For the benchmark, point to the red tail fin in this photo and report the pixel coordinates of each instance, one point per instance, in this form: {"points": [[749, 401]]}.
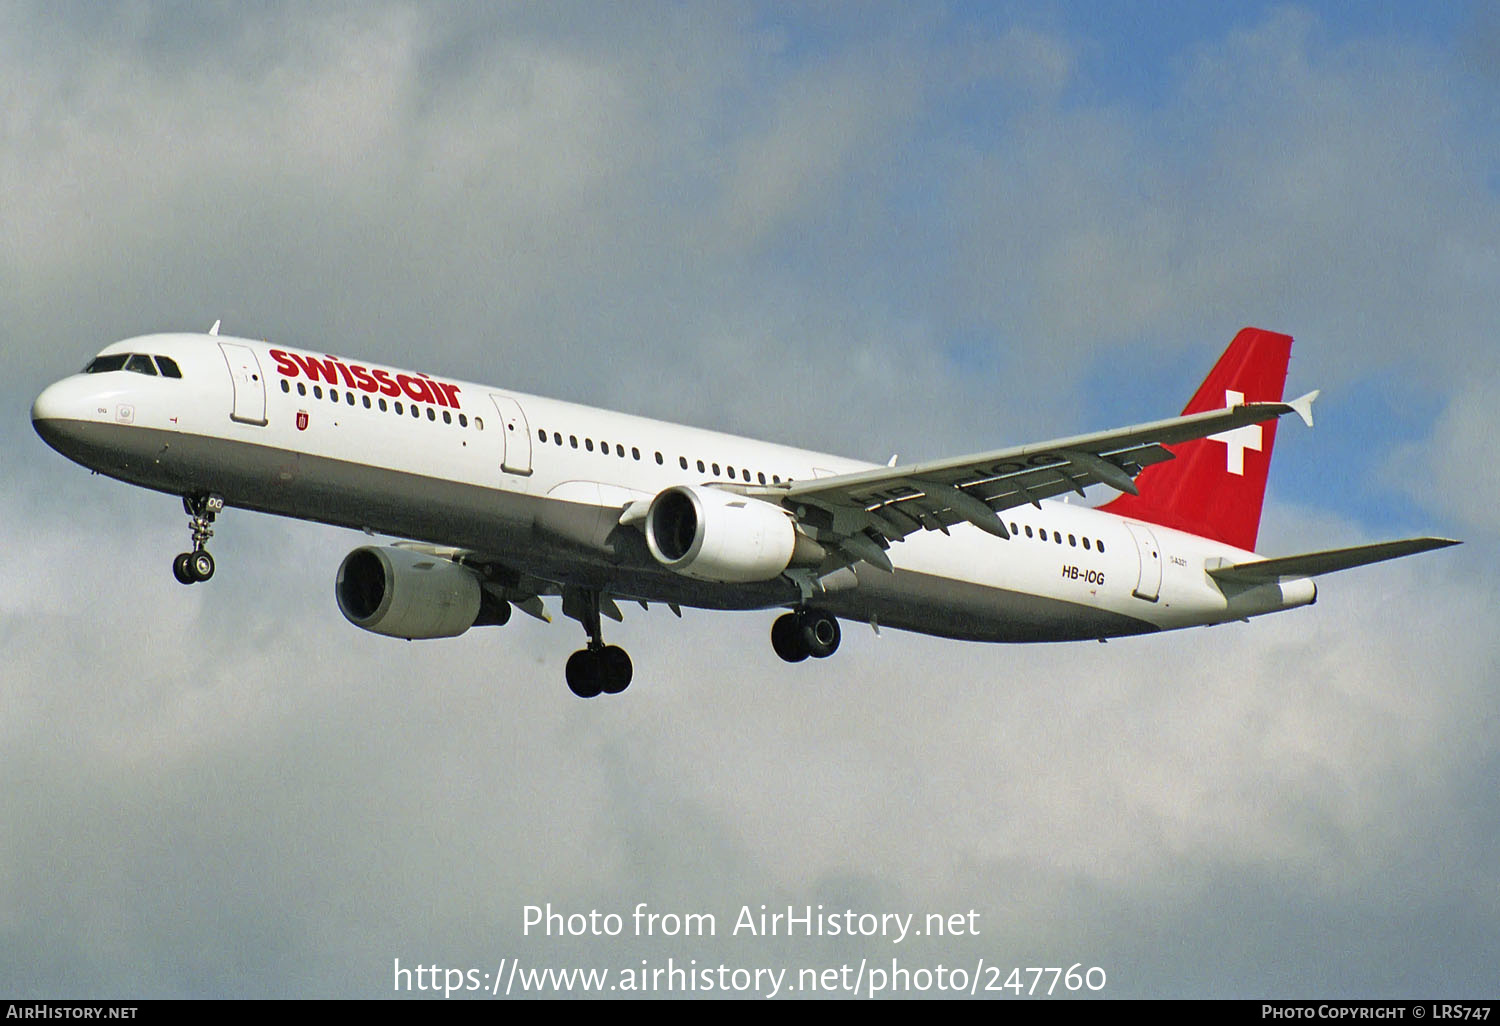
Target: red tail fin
{"points": [[1216, 485]]}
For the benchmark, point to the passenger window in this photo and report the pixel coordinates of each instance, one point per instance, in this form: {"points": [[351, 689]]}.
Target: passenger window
{"points": [[140, 364], [1099, 546], [399, 408], [1072, 541], [682, 460], [635, 453], [349, 398], [701, 468], [431, 413], [541, 435], [1085, 545], [1013, 528], [447, 417], [416, 411], [301, 388], [716, 470], [620, 451], [286, 386], [1057, 537], [333, 395], [761, 477], [382, 405], [169, 367], [1028, 530], [463, 420], [588, 443], [367, 402], [573, 441], [317, 391]]}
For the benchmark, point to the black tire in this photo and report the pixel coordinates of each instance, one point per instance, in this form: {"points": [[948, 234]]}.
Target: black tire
{"points": [[201, 565], [617, 671], [820, 635], [585, 678], [786, 639], [181, 568]]}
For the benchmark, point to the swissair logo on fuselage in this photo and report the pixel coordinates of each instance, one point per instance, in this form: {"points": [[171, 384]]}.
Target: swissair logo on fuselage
{"points": [[333, 371]]}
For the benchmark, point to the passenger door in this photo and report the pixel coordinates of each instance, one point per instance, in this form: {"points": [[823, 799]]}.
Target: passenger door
{"points": [[515, 436], [249, 386], [1148, 586]]}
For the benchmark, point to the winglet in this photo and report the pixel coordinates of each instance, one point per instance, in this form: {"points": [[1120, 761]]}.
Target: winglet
{"points": [[1302, 406], [215, 329]]}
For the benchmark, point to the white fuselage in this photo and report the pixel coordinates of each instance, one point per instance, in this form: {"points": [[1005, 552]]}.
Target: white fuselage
{"points": [[539, 485]]}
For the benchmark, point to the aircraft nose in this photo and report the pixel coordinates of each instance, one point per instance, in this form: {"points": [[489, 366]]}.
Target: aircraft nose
{"points": [[51, 404], [61, 409]]}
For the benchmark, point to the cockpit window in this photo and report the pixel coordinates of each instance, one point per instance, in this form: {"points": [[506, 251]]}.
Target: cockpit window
{"points": [[137, 362], [103, 364]]}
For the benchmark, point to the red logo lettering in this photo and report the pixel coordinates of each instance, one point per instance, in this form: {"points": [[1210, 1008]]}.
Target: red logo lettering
{"points": [[421, 388]]}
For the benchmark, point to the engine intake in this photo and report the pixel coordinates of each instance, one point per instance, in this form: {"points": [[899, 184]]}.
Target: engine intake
{"points": [[713, 535], [404, 594]]}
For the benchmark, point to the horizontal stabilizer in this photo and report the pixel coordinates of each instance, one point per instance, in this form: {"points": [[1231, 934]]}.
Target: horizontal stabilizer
{"points": [[1311, 564]]}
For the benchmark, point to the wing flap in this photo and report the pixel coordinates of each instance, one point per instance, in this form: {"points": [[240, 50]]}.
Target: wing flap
{"points": [[1312, 564]]}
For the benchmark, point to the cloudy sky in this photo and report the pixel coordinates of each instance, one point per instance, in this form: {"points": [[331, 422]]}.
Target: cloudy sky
{"points": [[915, 228]]}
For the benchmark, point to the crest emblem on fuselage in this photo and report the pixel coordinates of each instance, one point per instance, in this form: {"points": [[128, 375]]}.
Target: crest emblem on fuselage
{"points": [[301, 420]]}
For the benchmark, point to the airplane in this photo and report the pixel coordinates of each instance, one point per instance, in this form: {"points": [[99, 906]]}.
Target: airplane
{"points": [[502, 498]]}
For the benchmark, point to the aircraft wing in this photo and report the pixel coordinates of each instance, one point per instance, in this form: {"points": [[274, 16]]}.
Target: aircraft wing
{"points": [[1311, 564], [860, 514]]}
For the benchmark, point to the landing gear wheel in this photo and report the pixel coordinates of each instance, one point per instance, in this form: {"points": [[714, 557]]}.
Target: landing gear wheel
{"points": [[786, 638], [617, 671], [820, 634], [198, 565], [201, 565], [584, 672], [599, 669]]}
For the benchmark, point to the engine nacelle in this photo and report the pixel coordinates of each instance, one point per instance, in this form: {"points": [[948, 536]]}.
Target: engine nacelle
{"points": [[406, 594], [713, 535]]}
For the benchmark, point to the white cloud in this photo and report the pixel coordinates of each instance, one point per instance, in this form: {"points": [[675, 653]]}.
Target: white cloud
{"points": [[1450, 470]]}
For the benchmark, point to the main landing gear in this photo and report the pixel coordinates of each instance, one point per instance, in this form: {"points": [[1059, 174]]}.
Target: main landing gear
{"points": [[198, 565], [807, 632], [599, 669]]}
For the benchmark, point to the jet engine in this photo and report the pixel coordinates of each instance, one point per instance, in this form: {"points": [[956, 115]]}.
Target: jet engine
{"points": [[405, 594], [713, 535]]}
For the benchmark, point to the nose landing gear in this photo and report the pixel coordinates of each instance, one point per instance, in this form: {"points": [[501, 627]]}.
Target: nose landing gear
{"points": [[197, 565]]}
